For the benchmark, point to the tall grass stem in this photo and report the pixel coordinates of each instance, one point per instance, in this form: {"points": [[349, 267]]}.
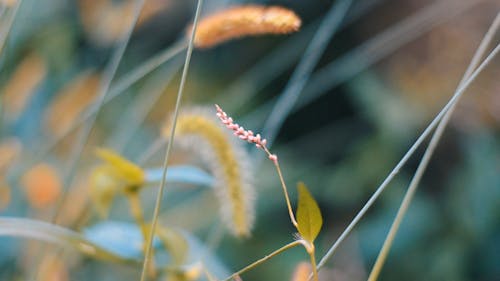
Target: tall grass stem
{"points": [[159, 196], [405, 158], [377, 268]]}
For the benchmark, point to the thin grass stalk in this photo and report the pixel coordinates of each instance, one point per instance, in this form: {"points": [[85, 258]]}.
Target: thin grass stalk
{"points": [[141, 106], [121, 85], [281, 58], [264, 259], [405, 158], [381, 46], [3, 39], [8, 27], [286, 101], [379, 263], [151, 150], [82, 138], [373, 50], [87, 128], [159, 196]]}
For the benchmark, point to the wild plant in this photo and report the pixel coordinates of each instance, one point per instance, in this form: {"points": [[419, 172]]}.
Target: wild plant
{"points": [[193, 159]]}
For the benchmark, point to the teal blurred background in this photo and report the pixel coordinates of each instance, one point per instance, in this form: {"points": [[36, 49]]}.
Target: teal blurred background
{"points": [[382, 78]]}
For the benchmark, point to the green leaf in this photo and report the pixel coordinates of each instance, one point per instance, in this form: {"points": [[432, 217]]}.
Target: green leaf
{"points": [[309, 218]]}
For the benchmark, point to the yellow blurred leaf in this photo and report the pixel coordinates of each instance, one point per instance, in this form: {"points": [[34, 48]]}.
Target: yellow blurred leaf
{"points": [[130, 172], [309, 218]]}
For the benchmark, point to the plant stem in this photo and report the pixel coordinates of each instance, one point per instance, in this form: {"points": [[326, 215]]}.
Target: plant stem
{"points": [[379, 263], [287, 100], [285, 190], [407, 155], [267, 257], [136, 211], [104, 85], [161, 190], [312, 252]]}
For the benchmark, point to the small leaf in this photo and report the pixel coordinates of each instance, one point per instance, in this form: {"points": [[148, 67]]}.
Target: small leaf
{"points": [[309, 218], [130, 172]]}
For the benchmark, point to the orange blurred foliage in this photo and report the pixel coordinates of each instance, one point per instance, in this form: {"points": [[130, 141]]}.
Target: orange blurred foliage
{"points": [[22, 85], [70, 102], [4, 194], [42, 185], [106, 21], [302, 272], [10, 149], [53, 268]]}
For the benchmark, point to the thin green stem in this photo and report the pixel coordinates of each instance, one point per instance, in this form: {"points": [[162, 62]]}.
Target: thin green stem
{"points": [[138, 111], [161, 190], [285, 103], [380, 46], [407, 155], [311, 250], [105, 83], [373, 50], [264, 259], [137, 214], [285, 189], [8, 27], [3, 39], [382, 257], [116, 90]]}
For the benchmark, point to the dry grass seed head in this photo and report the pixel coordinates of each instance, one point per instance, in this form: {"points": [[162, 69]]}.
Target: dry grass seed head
{"points": [[198, 130], [244, 21]]}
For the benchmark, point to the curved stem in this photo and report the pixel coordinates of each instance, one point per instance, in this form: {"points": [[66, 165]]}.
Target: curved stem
{"points": [[285, 190], [262, 260]]}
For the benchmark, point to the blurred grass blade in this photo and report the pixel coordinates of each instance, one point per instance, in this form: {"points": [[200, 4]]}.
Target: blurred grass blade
{"points": [[54, 234], [286, 101], [181, 174], [412, 188]]}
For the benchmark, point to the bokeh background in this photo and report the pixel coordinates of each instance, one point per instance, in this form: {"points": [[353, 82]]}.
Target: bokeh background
{"points": [[386, 73]]}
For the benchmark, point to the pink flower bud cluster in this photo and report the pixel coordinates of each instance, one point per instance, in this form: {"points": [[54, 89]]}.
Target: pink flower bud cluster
{"points": [[240, 132]]}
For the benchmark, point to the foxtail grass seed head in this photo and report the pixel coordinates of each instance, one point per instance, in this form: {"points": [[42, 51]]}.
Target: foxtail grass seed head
{"points": [[197, 129], [42, 185], [115, 174], [243, 21], [246, 135]]}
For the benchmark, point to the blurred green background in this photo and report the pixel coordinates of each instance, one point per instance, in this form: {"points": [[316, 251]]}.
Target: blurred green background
{"points": [[382, 78]]}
